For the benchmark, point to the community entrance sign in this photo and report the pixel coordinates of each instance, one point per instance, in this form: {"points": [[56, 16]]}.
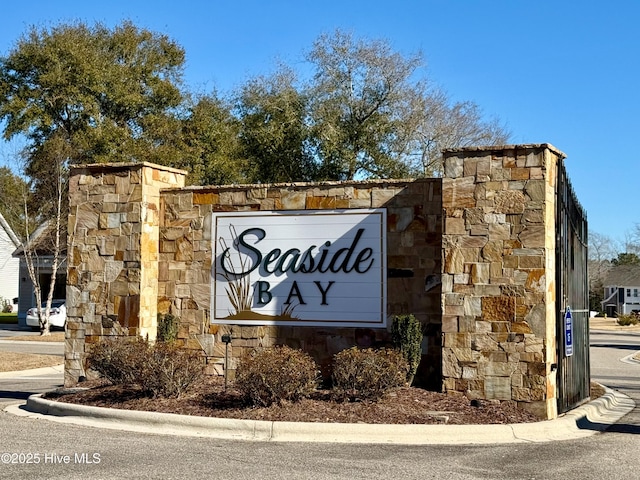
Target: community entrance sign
{"points": [[303, 267]]}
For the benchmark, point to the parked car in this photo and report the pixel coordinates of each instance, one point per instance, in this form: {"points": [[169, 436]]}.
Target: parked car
{"points": [[58, 316]]}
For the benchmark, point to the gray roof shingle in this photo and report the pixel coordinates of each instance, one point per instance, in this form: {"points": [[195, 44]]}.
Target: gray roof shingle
{"points": [[623, 275]]}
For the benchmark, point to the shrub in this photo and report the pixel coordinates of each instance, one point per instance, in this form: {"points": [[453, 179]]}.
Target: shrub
{"points": [[168, 326], [118, 359], [276, 374], [5, 306], [406, 334], [367, 374], [628, 319], [160, 370], [169, 371]]}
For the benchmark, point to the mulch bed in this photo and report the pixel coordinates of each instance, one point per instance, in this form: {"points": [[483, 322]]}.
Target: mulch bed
{"points": [[407, 405]]}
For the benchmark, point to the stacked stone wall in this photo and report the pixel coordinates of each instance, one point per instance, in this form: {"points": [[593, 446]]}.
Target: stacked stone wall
{"points": [[471, 255], [414, 219], [112, 278], [498, 298]]}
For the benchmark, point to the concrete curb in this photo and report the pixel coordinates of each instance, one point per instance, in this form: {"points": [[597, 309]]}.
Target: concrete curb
{"points": [[584, 421]]}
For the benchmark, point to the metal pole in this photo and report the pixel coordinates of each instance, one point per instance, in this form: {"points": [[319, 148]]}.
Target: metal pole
{"points": [[226, 364]]}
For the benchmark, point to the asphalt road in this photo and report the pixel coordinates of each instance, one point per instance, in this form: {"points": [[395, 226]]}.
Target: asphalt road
{"points": [[115, 454], [8, 330], [17, 387], [42, 348]]}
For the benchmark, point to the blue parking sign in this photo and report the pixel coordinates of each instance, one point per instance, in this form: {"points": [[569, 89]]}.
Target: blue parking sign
{"points": [[568, 333]]}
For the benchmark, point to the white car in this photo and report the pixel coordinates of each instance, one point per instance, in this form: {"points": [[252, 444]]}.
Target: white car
{"points": [[58, 316]]}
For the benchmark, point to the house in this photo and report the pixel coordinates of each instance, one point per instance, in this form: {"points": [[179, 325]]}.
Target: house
{"points": [[9, 266], [41, 246], [622, 290]]}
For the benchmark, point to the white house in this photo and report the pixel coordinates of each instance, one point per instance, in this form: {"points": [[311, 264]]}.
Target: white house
{"points": [[9, 266], [622, 290]]}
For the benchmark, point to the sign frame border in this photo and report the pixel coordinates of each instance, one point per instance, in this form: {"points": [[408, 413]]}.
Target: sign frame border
{"points": [[381, 322]]}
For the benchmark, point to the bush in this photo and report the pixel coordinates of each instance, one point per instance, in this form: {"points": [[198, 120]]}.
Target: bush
{"points": [[170, 371], [276, 374], [5, 306], [119, 359], [406, 334], [168, 326], [159, 370], [628, 319], [367, 374]]}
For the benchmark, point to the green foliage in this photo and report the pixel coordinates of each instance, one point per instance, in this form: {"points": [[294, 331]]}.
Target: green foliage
{"points": [[373, 115], [367, 374], [88, 94], [209, 140], [8, 318], [626, 259], [168, 327], [595, 299], [159, 370], [13, 191], [277, 374], [406, 334], [273, 116], [82, 93], [361, 100]]}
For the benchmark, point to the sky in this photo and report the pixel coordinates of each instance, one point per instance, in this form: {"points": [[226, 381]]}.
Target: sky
{"points": [[558, 72]]}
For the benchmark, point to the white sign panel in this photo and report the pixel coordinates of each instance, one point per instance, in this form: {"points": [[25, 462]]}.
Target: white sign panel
{"points": [[306, 267]]}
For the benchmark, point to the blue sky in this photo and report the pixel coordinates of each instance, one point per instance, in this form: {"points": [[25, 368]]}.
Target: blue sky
{"points": [[564, 73]]}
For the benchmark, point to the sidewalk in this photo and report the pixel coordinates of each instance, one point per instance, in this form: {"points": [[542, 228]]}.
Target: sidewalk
{"points": [[35, 372]]}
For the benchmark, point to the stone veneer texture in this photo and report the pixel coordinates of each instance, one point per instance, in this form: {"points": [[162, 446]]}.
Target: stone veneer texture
{"points": [[498, 280], [414, 232], [472, 255], [112, 278], [137, 251]]}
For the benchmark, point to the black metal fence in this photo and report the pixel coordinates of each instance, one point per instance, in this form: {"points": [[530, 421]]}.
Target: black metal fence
{"points": [[572, 297]]}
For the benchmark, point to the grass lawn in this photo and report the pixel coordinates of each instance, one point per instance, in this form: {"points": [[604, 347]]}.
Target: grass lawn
{"points": [[55, 336], [8, 318], [10, 361]]}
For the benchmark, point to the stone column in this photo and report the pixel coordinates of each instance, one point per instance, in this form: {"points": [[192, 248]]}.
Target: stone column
{"points": [[112, 276], [498, 282]]}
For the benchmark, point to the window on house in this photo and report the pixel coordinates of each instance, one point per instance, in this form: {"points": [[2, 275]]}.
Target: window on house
{"points": [[635, 292], [628, 292]]}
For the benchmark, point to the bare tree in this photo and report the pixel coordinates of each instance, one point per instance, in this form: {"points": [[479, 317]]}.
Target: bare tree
{"points": [[602, 250], [444, 125], [375, 114], [48, 208], [632, 240]]}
